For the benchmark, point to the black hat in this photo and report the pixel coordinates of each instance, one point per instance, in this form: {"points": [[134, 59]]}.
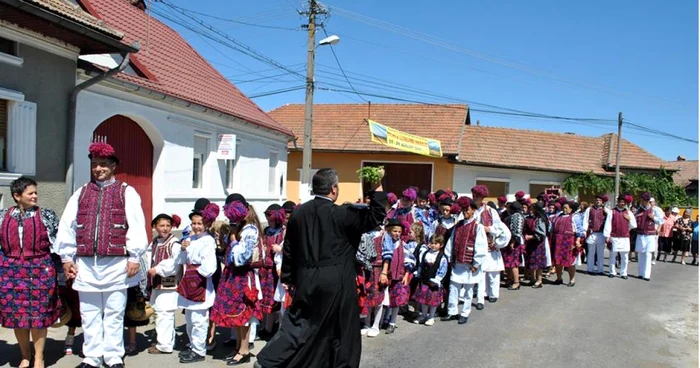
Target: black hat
{"points": [[423, 194], [393, 222], [273, 207], [447, 202], [236, 197], [161, 216], [200, 204], [289, 206], [438, 193]]}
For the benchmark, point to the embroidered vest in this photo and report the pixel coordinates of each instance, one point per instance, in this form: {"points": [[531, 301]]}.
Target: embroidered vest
{"points": [[486, 218], [620, 225], [564, 226], [268, 241], [596, 219], [529, 228], [378, 247], [101, 221], [429, 270], [645, 225], [159, 253], [396, 269], [463, 245], [35, 238]]}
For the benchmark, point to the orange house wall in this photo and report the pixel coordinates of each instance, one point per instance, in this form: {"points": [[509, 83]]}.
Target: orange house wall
{"points": [[347, 165]]}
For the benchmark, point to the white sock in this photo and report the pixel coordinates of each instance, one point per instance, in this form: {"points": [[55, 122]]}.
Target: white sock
{"points": [[377, 317]]}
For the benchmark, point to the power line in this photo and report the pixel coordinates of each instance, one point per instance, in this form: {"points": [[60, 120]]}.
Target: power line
{"points": [[657, 132], [341, 67], [230, 20], [276, 92]]}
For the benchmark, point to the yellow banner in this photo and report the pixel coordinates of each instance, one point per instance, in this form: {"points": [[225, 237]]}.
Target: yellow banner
{"points": [[403, 141]]}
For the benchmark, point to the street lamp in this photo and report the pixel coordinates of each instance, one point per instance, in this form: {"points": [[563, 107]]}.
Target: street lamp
{"points": [[304, 185]]}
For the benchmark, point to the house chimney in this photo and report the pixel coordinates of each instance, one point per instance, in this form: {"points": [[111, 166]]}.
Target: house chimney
{"points": [[680, 158], [141, 4], [478, 123]]}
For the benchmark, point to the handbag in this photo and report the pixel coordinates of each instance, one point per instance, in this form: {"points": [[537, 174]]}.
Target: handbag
{"points": [[193, 286]]}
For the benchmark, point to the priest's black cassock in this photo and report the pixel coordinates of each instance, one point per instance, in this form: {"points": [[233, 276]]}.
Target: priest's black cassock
{"points": [[322, 326]]}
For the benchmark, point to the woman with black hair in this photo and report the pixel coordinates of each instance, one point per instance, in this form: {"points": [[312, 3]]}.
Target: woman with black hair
{"points": [[28, 284], [535, 235], [513, 252], [565, 244]]}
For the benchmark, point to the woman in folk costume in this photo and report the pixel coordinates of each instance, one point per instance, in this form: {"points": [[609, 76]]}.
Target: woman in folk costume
{"points": [[565, 244], [618, 224], [273, 239], [466, 250], [29, 301], [399, 272], [163, 276], [432, 268], [238, 297], [535, 237], [196, 292], [512, 254]]}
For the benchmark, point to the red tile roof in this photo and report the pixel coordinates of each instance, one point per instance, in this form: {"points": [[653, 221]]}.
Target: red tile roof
{"points": [[343, 126], [176, 68], [687, 171], [536, 150], [73, 11]]}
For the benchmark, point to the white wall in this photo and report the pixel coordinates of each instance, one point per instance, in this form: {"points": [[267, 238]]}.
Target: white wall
{"points": [[172, 130], [465, 178]]}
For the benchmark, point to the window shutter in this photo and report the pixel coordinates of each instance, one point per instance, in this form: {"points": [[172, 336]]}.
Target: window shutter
{"points": [[21, 138]]}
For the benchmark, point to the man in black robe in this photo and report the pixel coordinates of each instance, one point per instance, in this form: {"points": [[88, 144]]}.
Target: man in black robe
{"points": [[322, 326]]}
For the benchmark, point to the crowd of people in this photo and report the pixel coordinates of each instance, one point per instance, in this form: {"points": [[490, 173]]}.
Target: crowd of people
{"points": [[95, 268]]}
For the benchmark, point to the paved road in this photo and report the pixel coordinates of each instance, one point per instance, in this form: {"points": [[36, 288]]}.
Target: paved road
{"points": [[600, 323]]}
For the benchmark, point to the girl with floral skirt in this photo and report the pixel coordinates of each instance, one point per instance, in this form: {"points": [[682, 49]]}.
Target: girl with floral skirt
{"points": [[432, 268], [273, 239]]}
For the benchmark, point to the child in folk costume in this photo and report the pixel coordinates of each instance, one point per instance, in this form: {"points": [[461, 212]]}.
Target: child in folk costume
{"points": [[423, 211], [581, 226], [163, 276], [616, 231], [565, 244], [405, 211], [366, 258], [413, 248], [443, 224], [399, 271], [432, 268], [466, 250], [196, 288], [377, 284], [237, 304], [493, 262], [273, 239]]}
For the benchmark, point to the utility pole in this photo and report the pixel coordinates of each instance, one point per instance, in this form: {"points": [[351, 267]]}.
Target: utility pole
{"points": [[617, 159], [305, 187]]}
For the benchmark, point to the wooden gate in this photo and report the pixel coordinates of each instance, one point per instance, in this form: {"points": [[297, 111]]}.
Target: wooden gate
{"points": [[399, 176], [135, 152]]}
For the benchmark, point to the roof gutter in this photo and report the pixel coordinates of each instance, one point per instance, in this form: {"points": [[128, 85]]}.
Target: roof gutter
{"points": [[72, 112], [71, 25]]}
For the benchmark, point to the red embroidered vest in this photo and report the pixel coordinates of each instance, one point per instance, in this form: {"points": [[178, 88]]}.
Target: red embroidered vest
{"points": [[378, 248], [268, 241], [101, 221], [564, 225], [161, 252], [35, 238], [620, 225], [486, 218], [463, 245], [645, 225], [596, 219]]}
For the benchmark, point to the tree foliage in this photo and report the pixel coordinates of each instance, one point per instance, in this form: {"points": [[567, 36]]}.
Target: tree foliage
{"points": [[659, 184]]}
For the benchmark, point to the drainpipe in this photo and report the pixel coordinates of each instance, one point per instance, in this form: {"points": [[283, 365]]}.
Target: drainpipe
{"points": [[72, 112]]}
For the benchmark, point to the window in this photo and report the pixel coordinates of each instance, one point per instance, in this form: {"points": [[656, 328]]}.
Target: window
{"points": [[272, 172], [230, 168], [3, 135], [536, 189], [17, 135], [9, 52], [496, 188], [201, 151]]}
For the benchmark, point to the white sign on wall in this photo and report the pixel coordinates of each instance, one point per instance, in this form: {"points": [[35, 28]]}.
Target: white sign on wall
{"points": [[226, 147]]}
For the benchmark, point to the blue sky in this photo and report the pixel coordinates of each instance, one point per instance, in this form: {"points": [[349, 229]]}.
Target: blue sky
{"points": [[588, 59]]}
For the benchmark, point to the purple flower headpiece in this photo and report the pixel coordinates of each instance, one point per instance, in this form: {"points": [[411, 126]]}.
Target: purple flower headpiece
{"points": [[277, 217], [210, 213], [410, 194], [236, 212], [480, 190], [392, 198]]}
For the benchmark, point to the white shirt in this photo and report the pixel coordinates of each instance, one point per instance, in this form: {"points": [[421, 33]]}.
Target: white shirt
{"points": [[618, 244], [200, 252], [99, 274], [462, 273]]}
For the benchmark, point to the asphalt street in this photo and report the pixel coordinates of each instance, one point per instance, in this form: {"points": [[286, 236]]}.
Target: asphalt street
{"points": [[601, 322]]}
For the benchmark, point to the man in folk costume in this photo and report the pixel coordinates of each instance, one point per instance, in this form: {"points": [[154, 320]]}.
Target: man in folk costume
{"points": [[489, 218], [163, 278], [616, 231], [322, 327], [101, 238], [466, 250], [595, 218], [646, 234]]}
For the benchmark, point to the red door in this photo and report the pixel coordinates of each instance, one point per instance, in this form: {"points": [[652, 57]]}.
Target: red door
{"points": [[135, 152]]}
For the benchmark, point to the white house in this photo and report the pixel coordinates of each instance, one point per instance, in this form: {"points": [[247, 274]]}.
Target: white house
{"points": [[166, 115]]}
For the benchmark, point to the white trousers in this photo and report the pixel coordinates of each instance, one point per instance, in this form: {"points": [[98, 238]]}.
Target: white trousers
{"points": [[102, 315], [197, 329], [493, 284], [453, 302], [645, 264], [596, 252], [624, 261], [481, 291], [165, 331]]}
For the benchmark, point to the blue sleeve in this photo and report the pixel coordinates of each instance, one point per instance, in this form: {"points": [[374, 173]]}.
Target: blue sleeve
{"points": [[441, 272], [409, 258], [243, 250], [387, 247]]}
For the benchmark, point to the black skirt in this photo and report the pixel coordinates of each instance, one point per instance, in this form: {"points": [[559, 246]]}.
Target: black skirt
{"points": [[665, 244], [132, 294], [681, 245]]}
